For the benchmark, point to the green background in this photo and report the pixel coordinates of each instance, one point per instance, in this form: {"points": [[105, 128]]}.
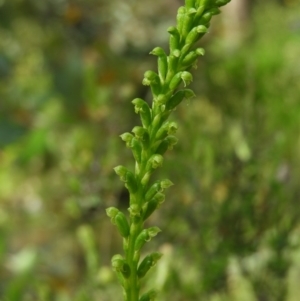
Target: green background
{"points": [[68, 73]]}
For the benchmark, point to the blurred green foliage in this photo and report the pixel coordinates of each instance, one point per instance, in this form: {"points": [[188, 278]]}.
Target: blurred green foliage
{"points": [[68, 71]]}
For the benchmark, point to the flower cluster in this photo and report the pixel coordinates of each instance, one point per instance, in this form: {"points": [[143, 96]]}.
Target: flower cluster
{"points": [[153, 138]]}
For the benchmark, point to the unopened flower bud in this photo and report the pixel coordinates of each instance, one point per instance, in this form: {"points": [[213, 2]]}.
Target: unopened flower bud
{"points": [[173, 60], [186, 48], [158, 186], [175, 81], [141, 107], [118, 218], [149, 296], [178, 97], [145, 236], [153, 204], [174, 38], [195, 34], [189, 4], [155, 188], [206, 17], [188, 21], [136, 148], [122, 224], [127, 137], [180, 18], [162, 62], [127, 177], [222, 2], [148, 262], [152, 79], [163, 147], [163, 131], [215, 11]]}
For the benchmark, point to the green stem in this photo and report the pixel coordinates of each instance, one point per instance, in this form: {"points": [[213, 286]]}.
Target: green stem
{"points": [[133, 290]]}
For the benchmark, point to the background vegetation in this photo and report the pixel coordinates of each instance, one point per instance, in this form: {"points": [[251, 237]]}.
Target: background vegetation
{"points": [[68, 71]]}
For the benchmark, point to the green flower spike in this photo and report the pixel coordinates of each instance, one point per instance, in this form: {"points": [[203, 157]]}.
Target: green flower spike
{"points": [[150, 140]]}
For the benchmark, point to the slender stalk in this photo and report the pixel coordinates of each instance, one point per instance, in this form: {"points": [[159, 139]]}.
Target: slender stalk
{"points": [[153, 138], [133, 292]]}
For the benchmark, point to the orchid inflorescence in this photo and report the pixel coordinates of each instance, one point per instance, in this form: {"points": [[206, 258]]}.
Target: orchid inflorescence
{"points": [[150, 140]]}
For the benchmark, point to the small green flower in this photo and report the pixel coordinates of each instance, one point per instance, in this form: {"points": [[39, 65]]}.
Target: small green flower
{"points": [[127, 137], [127, 177], [186, 77], [118, 218], [142, 108], [151, 79], [155, 161], [174, 41], [148, 262], [178, 97], [149, 296], [188, 21], [195, 34], [153, 204], [120, 265], [145, 236], [161, 62]]}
